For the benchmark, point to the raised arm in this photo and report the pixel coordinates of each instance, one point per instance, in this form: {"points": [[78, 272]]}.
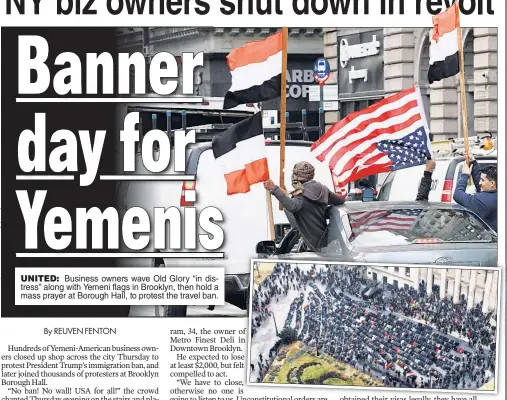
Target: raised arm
{"points": [[425, 184], [291, 204], [476, 174], [464, 199]]}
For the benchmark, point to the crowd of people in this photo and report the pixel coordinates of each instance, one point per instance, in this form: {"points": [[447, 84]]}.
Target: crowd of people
{"points": [[404, 337]]}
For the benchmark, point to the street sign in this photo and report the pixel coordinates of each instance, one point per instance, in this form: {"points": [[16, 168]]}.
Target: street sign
{"points": [[330, 106], [330, 93], [321, 70]]}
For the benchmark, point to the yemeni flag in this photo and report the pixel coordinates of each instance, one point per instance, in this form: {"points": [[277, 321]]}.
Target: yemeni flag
{"points": [[241, 151], [444, 57], [256, 70]]}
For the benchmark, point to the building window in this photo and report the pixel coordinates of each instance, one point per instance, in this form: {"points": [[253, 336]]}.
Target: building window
{"points": [[396, 269], [395, 284], [384, 280], [375, 277], [407, 271]]}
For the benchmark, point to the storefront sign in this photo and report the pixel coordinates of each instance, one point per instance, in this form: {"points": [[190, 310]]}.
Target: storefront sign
{"points": [[299, 82], [362, 68], [349, 52], [358, 74]]}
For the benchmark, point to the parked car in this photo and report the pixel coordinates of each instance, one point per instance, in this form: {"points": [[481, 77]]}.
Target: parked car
{"points": [[396, 233], [402, 185], [245, 215]]}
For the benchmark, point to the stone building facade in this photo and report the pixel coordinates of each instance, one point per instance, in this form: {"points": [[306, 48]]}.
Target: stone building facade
{"points": [[405, 61], [213, 80], [470, 284]]}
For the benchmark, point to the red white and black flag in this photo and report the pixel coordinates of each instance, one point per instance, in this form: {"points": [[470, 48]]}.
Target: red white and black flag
{"points": [[241, 151], [444, 57], [256, 70]]}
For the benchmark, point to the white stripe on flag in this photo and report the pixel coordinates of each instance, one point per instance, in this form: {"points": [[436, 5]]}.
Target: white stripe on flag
{"points": [[257, 73], [446, 46], [246, 151]]}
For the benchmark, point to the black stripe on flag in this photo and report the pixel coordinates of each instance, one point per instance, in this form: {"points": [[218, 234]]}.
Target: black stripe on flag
{"points": [[443, 69], [246, 129], [255, 94]]}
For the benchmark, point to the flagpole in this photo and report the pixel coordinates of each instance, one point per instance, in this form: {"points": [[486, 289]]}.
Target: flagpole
{"points": [[464, 111], [283, 108], [269, 199], [270, 215]]}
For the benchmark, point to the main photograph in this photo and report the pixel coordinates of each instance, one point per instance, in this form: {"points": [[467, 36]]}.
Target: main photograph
{"points": [[379, 161]]}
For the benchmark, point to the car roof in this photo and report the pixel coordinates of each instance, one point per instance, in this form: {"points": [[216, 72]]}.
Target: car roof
{"points": [[360, 206], [462, 158], [269, 142]]}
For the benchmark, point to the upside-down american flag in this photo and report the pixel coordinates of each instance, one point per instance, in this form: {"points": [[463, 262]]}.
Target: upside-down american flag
{"points": [[391, 134]]}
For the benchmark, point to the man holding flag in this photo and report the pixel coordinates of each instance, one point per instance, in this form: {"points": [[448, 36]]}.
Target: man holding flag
{"points": [[446, 60], [258, 73], [306, 206]]}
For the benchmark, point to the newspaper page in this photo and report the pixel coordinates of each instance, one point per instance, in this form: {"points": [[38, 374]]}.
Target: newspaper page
{"points": [[252, 199]]}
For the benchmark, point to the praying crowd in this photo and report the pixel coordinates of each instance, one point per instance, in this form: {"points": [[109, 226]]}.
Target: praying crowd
{"points": [[402, 336]]}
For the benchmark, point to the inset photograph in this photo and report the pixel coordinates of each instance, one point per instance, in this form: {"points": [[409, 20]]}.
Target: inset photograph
{"points": [[373, 326]]}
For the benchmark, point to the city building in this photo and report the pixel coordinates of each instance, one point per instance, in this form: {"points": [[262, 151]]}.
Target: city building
{"points": [[213, 80], [370, 63], [366, 64], [470, 284]]}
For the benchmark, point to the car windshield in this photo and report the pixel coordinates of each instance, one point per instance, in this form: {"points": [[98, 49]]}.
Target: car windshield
{"points": [[414, 226]]}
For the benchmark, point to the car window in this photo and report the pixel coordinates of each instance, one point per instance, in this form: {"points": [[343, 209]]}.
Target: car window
{"points": [[385, 190], [302, 247], [346, 226], [280, 232], [412, 226], [297, 245]]}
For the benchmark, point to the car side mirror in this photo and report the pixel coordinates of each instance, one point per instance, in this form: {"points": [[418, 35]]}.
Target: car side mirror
{"points": [[266, 247], [368, 194]]}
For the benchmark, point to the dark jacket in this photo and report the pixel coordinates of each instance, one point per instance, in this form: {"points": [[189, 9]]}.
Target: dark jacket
{"points": [[306, 211], [484, 204], [424, 187]]}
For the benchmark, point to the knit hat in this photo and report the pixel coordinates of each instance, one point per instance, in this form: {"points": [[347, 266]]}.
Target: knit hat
{"points": [[303, 172]]}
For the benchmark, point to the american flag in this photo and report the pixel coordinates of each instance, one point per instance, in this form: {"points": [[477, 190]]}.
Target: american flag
{"points": [[391, 134], [391, 220]]}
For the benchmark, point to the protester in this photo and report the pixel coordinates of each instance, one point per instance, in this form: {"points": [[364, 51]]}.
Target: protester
{"points": [[485, 202], [357, 193], [306, 206]]}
